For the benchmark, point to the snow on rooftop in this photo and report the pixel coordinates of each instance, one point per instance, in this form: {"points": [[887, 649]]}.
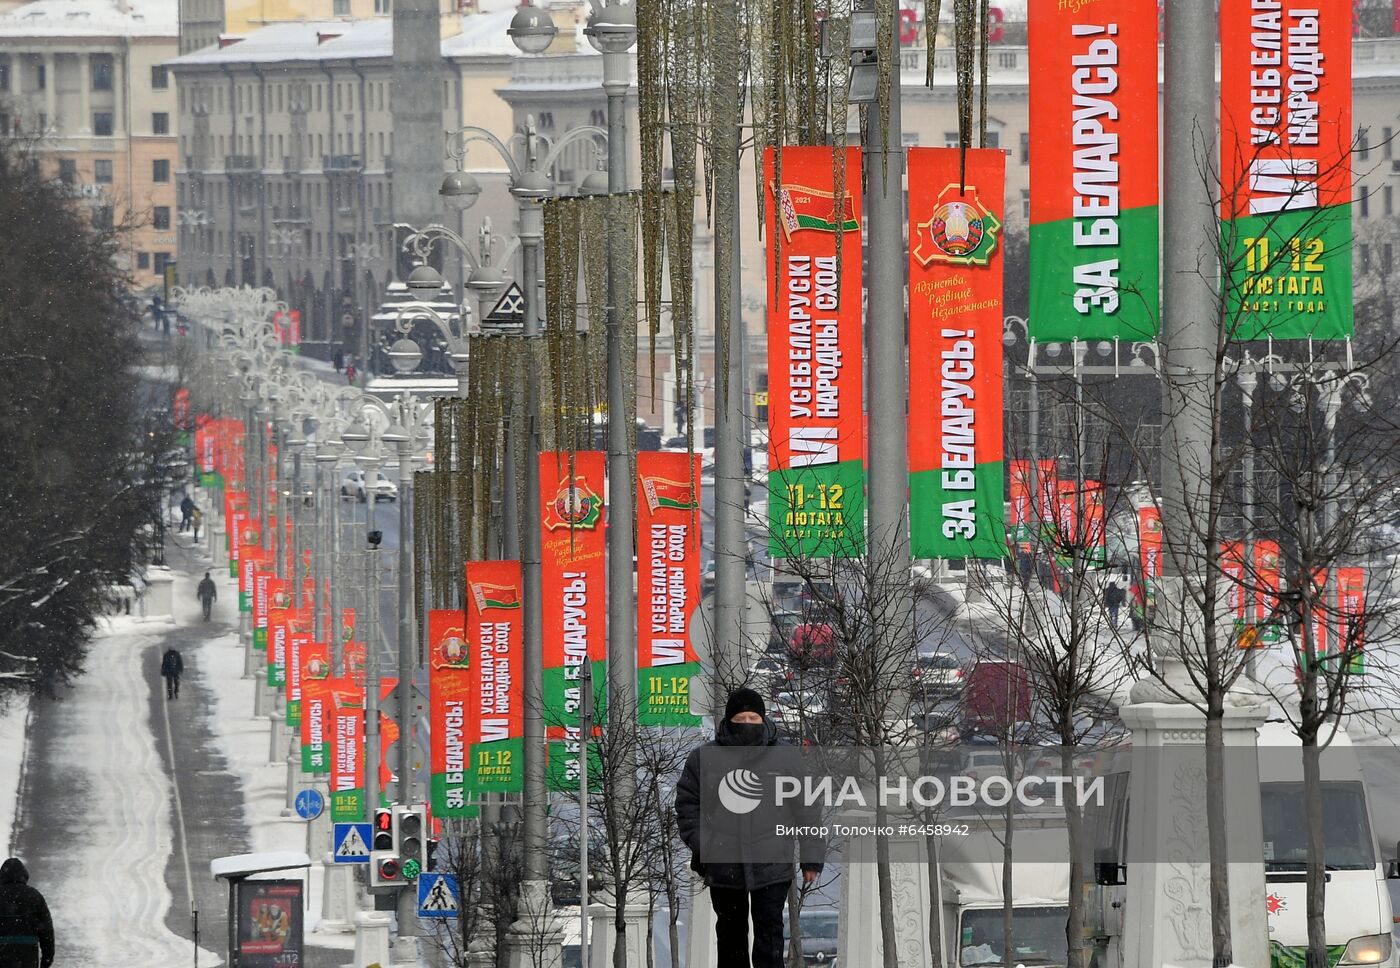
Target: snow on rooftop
{"points": [[92, 18]]}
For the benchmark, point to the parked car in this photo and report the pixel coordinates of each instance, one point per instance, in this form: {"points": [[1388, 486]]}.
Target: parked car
{"points": [[938, 673], [819, 929], [353, 485], [769, 671], [785, 622], [813, 642]]}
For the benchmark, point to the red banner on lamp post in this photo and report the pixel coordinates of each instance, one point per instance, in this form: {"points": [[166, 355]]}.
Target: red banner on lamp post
{"points": [[668, 585]]}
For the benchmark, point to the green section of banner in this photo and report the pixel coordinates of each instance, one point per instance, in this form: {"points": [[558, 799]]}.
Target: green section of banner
{"points": [[560, 775], [817, 512], [496, 767], [1064, 277], [245, 599], [556, 687], [973, 517], [348, 806], [260, 639], [1291, 274], [294, 713], [663, 695], [276, 675], [315, 758]]}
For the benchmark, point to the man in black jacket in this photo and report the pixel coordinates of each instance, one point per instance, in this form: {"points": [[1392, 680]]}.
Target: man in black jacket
{"points": [[729, 818], [172, 666], [26, 930]]}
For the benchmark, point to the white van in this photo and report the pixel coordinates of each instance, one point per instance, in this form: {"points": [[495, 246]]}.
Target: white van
{"points": [[1358, 909]]}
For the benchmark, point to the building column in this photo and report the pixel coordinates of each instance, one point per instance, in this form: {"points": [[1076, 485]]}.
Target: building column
{"points": [[84, 93], [50, 84]]}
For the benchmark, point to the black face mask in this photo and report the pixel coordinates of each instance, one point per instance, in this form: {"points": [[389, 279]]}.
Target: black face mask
{"points": [[748, 734]]}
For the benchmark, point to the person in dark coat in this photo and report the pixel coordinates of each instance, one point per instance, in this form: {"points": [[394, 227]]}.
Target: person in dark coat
{"points": [[186, 512], [26, 930], [207, 593], [339, 360], [1113, 599], [172, 666], [746, 862]]}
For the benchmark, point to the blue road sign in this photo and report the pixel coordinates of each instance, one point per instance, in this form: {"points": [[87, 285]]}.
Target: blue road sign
{"points": [[309, 804], [351, 843], [437, 895]]}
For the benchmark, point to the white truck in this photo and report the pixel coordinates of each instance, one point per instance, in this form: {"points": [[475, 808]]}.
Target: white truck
{"points": [[973, 899]]}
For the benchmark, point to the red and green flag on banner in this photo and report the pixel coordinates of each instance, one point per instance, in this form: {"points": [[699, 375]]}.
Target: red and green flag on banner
{"points": [[574, 585], [347, 752], [816, 470], [316, 701], [955, 350], [1094, 193], [496, 685], [1285, 151], [266, 587], [668, 585]]}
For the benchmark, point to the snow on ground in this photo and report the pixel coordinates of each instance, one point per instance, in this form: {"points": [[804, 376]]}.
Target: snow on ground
{"points": [[246, 742], [13, 725], [115, 898]]}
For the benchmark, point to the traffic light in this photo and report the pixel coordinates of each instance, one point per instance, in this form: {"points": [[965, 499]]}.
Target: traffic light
{"points": [[385, 863], [411, 839]]}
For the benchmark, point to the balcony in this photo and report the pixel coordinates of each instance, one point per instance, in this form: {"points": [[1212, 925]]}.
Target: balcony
{"points": [[283, 214], [350, 163], [240, 163]]}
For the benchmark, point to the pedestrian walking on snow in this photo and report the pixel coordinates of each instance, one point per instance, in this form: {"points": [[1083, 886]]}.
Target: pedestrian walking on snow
{"points": [[207, 593], [350, 373], [339, 360], [26, 930], [186, 512], [172, 666], [1113, 599], [746, 862], [196, 519]]}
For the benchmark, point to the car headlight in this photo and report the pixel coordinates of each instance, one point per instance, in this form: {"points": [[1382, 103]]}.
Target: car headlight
{"points": [[1371, 949]]}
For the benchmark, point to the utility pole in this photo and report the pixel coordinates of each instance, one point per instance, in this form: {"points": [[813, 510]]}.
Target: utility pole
{"points": [[888, 371], [406, 946]]}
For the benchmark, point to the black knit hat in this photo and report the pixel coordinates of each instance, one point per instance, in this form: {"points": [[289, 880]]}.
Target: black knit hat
{"points": [[744, 700]]}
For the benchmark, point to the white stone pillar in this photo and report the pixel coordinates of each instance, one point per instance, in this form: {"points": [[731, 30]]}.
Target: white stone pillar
{"points": [[84, 93], [338, 907], [371, 939], [160, 594], [602, 935], [700, 929], [858, 939], [535, 939], [1168, 875]]}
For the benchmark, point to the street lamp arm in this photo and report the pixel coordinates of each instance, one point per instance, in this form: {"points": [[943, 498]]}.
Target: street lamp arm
{"points": [[419, 243], [405, 318], [473, 134], [598, 137]]}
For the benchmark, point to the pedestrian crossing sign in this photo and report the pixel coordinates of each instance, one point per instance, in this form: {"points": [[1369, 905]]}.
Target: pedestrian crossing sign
{"points": [[351, 843], [437, 895]]}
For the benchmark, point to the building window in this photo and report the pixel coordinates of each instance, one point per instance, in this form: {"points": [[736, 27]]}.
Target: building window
{"points": [[1364, 203], [162, 258], [102, 123], [102, 171], [4, 75], [341, 8], [546, 121], [160, 123], [382, 6], [160, 78], [950, 139], [41, 76], [1387, 260], [1365, 258], [43, 123], [993, 139], [143, 259], [102, 217], [1025, 147], [1387, 143], [160, 170], [1363, 144], [160, 217], [101, 66], [67, 170], [1025, 204], [1388, 200]]}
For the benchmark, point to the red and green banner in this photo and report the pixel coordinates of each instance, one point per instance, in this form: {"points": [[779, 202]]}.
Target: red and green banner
{"points": [[237, 524], [347, 626], [281, 624], [496, 631], [1285, 162], [955, 352], [316, 702], [352, 658], [1267, 567], [298, 644], [1351, 617], [1232, 570], [668, 585], [1023, 525], [266, 587], [1094, 194], [816, 470], [451, 712], [574, 586], [347, 785]]}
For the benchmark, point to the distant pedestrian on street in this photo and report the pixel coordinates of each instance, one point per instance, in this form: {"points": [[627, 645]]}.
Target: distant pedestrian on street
{"points": [[186, 512], [207, 593], [350, 373], [339, 359], [196, 519], [26, 930], [172, 666], [1113, 599]]}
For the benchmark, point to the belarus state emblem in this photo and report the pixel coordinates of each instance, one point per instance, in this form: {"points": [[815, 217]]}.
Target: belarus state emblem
{"points": [[960, 230], [452, 651], [575, 506]]}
